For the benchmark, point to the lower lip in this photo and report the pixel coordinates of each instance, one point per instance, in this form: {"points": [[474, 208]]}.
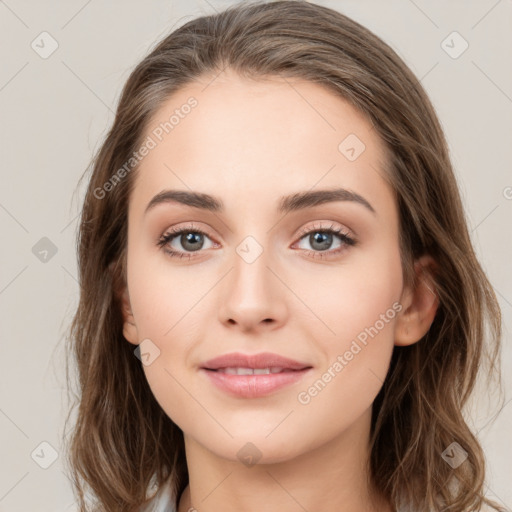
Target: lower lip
{"points": [[254, 386]]}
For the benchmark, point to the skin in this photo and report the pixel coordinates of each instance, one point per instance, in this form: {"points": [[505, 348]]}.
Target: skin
{"points": [[249, 143]]}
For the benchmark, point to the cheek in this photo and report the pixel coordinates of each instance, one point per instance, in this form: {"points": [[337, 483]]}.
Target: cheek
{"points": [[167, 307], [161, 295], [352, 298], [358, 307], [357, 357]]}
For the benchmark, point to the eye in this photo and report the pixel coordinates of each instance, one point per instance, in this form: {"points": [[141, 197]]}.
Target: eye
{"points": [[190, 238], [321, 240]]}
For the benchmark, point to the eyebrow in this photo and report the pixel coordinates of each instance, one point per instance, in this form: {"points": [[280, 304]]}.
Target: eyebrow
{"points": [[293, 202]]}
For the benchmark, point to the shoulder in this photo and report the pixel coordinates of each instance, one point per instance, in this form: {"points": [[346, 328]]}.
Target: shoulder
{"points": [[162, 501]]}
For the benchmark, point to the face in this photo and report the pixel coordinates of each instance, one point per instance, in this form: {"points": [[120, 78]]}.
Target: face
{"points": [[317, 280]]}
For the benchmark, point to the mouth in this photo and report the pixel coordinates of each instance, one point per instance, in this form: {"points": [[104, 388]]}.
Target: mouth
{"points": [[253, 375], [254, 371], [253, 383], [248, 364]]}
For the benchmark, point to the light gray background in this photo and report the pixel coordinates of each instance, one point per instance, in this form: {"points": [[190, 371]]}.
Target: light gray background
{"points": [[55, 113]]}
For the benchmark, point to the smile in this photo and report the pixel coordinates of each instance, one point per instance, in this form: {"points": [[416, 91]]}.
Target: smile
{"points": [[253, 382]]}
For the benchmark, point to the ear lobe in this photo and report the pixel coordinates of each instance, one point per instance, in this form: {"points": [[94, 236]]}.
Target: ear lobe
{"points": [[129, 327], [123, 299], [420, 304]]}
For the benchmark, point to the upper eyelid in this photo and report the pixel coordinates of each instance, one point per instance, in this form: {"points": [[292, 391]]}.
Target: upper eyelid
{"points": [[174, 232], [332, 225]]}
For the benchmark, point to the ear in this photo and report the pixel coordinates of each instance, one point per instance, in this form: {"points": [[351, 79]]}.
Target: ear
{"points": [[123, 299], [129, 328], [420, 302]]}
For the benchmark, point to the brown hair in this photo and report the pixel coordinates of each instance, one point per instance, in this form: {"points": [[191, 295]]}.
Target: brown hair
{"points": [[122, 438]]}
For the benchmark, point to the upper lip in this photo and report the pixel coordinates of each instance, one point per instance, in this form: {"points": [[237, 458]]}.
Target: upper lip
{"points": [[261, 360]]}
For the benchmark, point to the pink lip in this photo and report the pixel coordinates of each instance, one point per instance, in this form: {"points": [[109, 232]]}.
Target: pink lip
{"points": [[253, 386], [261, 360]]}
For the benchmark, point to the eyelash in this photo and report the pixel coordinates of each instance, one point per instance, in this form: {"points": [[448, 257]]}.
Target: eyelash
{"points": [[340, 233]]}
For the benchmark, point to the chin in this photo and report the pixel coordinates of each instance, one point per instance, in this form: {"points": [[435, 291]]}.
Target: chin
{"points": [[251, 446]]}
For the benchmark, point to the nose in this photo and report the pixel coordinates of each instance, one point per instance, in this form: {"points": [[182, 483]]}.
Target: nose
{"points": [[253, 296]]}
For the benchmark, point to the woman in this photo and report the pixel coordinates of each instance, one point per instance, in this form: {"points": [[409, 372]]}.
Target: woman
{"points": [[280, 305]]}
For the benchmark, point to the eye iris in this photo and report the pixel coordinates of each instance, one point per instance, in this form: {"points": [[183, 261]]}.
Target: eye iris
{"points": [[324, 239], [193, 239]]}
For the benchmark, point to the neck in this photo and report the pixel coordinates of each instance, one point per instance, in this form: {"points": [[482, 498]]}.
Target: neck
{"points": [[331, 477]]}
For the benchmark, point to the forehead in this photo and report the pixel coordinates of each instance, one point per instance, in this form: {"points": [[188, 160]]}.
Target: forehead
{"points": [[242, 139]]}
